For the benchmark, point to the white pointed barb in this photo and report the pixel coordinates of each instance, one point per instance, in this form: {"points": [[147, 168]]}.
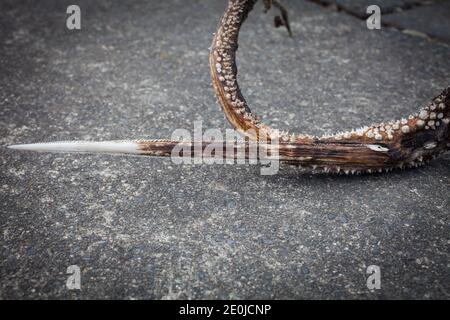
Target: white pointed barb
{"points": [[123, 147]]}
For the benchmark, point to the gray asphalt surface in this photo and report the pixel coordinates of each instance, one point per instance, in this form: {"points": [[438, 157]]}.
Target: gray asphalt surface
{"points": [[146, 228]]}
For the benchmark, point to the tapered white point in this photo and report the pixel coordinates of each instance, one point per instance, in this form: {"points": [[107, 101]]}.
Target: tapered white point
{"points": [[127, 147]]}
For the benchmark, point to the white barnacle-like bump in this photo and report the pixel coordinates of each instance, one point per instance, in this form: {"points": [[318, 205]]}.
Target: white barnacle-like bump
{"points": [[369, 134], [405, 129], [377, 147], [431, 123], [378, 137], [433, 115], [420, 123], [430, 145], [442, 106], [423, 114], [440, 115]]}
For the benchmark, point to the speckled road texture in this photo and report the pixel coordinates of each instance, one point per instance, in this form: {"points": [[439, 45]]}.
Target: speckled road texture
{"points": [[146, 228]]}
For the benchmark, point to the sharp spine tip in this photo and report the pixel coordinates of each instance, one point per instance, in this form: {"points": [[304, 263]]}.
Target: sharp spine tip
{"points": [[129, 147]]}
